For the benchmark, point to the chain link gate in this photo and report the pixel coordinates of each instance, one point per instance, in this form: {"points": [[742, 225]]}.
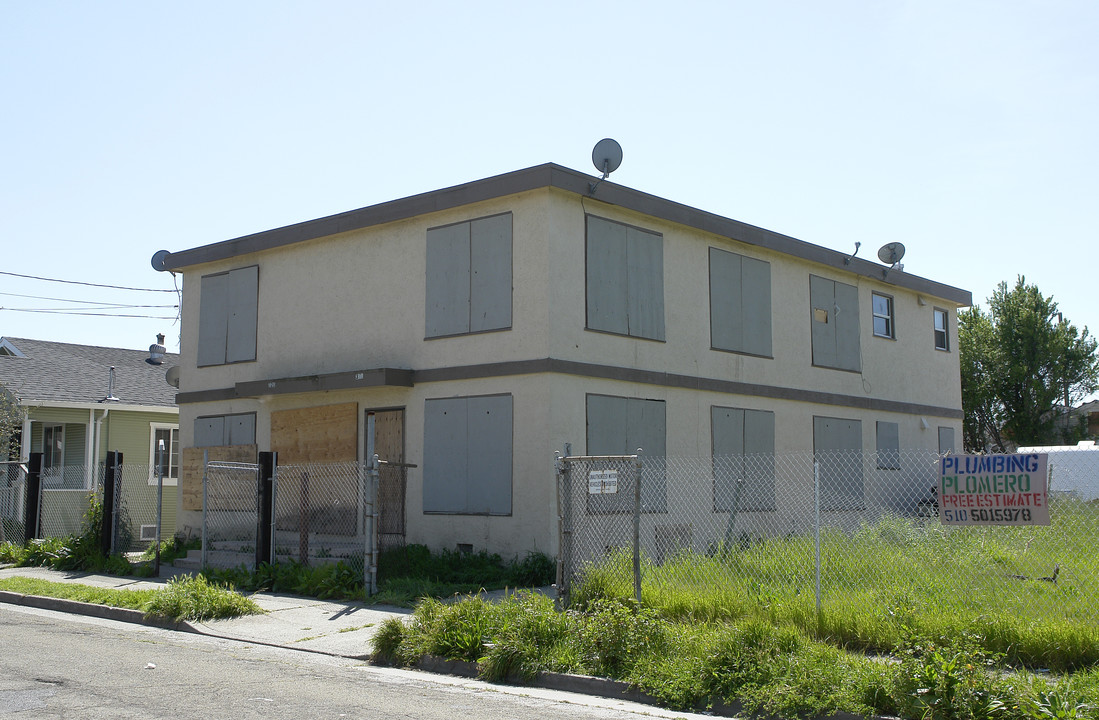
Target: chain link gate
{"points": [[230, 513], [599, 502], [328, 513]]}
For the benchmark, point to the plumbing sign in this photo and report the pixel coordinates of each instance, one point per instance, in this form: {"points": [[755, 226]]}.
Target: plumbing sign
{"points": [[993, 489]]}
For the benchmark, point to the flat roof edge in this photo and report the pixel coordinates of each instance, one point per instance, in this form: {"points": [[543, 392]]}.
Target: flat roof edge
{"points": [[550, 175]]}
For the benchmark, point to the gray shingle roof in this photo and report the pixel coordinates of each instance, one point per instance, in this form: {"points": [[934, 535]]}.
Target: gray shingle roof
{"points": [[65, 373]]}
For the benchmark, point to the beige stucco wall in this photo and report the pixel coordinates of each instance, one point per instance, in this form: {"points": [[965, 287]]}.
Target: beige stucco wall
{"points": [[356, 301], [549, 410], [907, 369]]}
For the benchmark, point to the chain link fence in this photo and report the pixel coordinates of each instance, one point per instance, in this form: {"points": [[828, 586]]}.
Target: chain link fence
{"points": [[842, 528], [230, 513], [64, 507], [323, 513], [13, 499]]}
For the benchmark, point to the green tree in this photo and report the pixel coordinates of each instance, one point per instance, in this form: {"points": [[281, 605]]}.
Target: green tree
{"points": [[11, 420], [1022, 366]]}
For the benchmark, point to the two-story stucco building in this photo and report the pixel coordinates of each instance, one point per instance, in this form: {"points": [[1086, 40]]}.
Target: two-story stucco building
{"points": [[485, 325]]}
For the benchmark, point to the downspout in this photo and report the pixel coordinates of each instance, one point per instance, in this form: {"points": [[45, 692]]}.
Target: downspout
{"points": [[98, 437], [25, 451], [89, 451]]}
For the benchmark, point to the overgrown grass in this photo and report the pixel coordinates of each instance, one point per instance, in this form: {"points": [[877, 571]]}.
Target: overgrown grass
{"points": [[131, 599], [766, 668], [409, 573], [892, 579], [196, 598], [183, 598], [404, 576], [340, 581], [171, 550]]}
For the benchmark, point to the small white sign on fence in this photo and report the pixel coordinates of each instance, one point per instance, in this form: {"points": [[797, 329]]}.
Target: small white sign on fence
{"points": [[602, 482]]}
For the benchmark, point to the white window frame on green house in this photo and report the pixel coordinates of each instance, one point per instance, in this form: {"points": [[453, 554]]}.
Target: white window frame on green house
{"points": [[53, 472], [943, 331], [171, 477], [883, 316]]}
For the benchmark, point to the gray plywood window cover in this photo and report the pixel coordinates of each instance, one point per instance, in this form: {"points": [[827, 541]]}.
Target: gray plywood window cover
{"points": [[468, 455], [469, 277], [624, 284]]}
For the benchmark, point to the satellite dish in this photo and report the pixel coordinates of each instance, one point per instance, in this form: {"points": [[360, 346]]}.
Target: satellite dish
{"points": [[606, 156], [891, 253], [160, 260], [172, 376]]}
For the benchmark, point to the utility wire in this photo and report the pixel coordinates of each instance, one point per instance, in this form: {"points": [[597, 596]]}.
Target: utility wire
{"points": [[90, 314], [75, 282], [85, 302], [98, 306]]}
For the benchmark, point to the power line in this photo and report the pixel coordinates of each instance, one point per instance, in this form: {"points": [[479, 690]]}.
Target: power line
{"points": [[86, 302], [90, 314], [75, 282], [98, 306]]}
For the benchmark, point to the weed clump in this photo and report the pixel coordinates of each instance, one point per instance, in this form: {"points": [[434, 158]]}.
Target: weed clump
{"points": [[196, 598]]}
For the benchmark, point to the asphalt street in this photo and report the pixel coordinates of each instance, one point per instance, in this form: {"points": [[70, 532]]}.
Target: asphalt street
{"points": [[57, 665]]}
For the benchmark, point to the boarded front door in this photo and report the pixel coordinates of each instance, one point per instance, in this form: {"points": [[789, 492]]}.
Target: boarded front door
{"points": [[388, 444]]}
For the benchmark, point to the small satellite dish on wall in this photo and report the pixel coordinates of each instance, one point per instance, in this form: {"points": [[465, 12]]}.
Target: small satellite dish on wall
{"points": [[160, 260], [171, 376], [891, 253], [606, 156]]}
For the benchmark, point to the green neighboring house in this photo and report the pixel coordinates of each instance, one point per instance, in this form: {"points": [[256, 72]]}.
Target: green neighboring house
{"points": [[79, 402]]}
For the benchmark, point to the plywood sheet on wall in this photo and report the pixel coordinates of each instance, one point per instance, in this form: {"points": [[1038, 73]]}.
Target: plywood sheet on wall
{"points": [[323, 434], [389, 435], [192, 466]]}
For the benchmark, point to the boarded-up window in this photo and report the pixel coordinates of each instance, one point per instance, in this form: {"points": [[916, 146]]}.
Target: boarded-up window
{"points": [[837, 447], [740, 303], [889, 445], [946, 440], [218, 430], [323, 434], [743, 459], [834, 320], [469, 277], [468, 455], [228, 312], [619, 426], [625, 279]]}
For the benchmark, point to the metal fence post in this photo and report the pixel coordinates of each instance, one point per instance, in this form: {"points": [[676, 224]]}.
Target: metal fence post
{"points": [[32, 497], [107, 528], [265, 515], [370, 556], [205, 484], [816, 527], [563, 530], [159, 504], [638, 464]]}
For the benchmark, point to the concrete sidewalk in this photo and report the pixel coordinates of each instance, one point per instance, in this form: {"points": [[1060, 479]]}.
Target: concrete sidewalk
{"points": [[298, 623]]}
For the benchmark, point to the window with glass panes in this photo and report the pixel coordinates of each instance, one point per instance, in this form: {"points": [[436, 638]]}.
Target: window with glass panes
{"points": [[883, 315], [942, 341], [169, 435]]}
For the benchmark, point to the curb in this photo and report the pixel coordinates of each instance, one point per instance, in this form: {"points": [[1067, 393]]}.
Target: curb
{"points": [[105, 612]]}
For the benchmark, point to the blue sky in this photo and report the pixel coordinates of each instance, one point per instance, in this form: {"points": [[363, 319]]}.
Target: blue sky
{"points": [[965, 130]]}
